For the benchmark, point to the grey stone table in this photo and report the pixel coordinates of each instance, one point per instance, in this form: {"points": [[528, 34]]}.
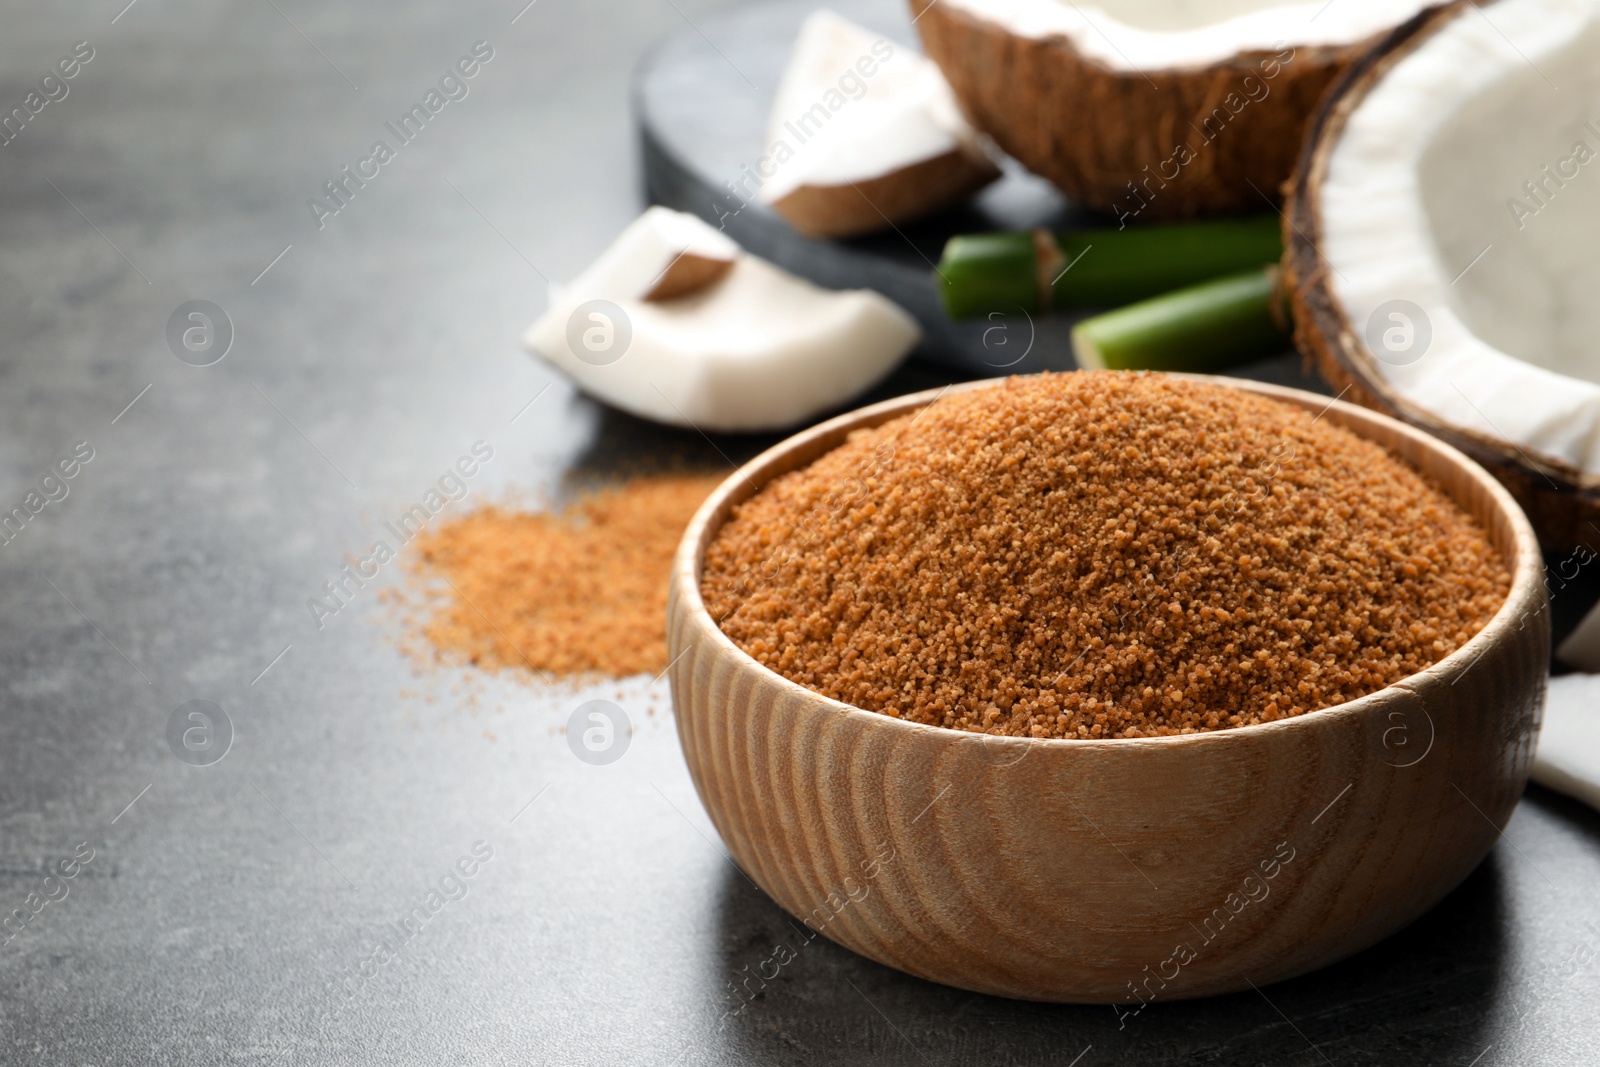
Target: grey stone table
{"points": [[251, 909]]}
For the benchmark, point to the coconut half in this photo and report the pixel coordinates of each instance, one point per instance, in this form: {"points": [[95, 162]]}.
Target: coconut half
{"points": [[865, 134], [675, 323], [1440, 246], [1151, 109]]}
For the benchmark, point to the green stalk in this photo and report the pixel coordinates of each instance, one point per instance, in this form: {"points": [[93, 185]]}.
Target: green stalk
{"points": [[988, 272], [1200, 329]]}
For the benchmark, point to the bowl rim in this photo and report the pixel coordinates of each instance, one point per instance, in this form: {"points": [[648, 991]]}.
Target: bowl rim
{"points": [[1524, 597]]}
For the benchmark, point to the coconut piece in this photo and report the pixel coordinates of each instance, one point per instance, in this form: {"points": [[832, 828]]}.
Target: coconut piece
{"points": [[688, 272], [647, 260], [1439, 249], [865, 133], [754, 348], [1568, 757], [1151, 109]]}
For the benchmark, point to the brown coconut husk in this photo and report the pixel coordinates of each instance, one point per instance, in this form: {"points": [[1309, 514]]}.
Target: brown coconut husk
{"points": [[687, 273], [902, 195], [1105, 136], [1562, 502]]}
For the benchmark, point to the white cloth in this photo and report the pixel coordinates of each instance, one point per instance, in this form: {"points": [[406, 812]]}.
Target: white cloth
{"points": [[1568, 757]]}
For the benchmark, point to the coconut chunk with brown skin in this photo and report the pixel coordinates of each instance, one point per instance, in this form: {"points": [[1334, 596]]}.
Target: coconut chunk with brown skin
{"points": [[865, 134], [1462, 151], [736, 344], [1151, 109]]}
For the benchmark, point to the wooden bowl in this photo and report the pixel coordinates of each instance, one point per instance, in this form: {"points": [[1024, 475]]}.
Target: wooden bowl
{"points": [[1115, 871]]}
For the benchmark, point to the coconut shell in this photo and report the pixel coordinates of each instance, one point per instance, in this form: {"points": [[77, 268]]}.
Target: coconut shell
{"points": [[1562, 502], [687, 273], [900, 196], [1109, 139]]}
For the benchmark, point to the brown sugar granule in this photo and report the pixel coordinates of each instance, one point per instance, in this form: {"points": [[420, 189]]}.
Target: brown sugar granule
{"points": [[580, 591], [1098, 555]]}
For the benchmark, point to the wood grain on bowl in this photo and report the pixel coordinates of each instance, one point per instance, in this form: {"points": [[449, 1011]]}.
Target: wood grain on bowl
{"points": [[1127, 870]]}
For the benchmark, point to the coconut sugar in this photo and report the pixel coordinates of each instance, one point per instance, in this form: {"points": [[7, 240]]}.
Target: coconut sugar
{"points": [[1101, 555], [581, 591]]}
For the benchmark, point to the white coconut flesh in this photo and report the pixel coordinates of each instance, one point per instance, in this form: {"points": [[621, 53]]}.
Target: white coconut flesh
{"points": [[1466, 184], [853, 106], [1151, 35], [755, 349]]}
